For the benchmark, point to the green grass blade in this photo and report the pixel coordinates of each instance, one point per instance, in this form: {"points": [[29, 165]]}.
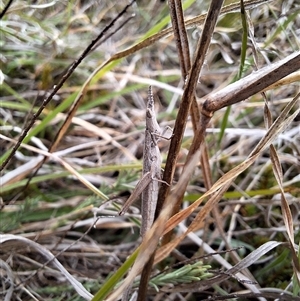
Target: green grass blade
{"points": [[241, 69], [115, 278]]}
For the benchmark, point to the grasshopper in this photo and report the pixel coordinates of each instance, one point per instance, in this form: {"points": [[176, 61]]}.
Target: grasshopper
{"points": [[149, 184]]}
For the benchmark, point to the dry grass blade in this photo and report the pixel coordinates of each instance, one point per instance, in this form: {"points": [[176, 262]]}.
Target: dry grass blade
{"points": [[287, 215], [13, 241], [60, 134], [254, 256], [10, 279], [279, 125], [63, 163], [262, 295]]}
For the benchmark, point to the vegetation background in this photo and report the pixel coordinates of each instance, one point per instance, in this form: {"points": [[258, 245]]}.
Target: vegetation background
{"points": [[69, 203]]}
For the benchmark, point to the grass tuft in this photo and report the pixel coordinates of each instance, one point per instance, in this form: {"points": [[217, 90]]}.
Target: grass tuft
{"points": [[74, 79]]}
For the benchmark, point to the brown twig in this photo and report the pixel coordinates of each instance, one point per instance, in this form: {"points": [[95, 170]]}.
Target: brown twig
{"points": [[187, 98], [254, 83]]}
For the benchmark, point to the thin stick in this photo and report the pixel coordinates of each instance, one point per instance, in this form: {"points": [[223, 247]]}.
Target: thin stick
{"points": [[187, 98], [182, 46], [254, 83]]}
